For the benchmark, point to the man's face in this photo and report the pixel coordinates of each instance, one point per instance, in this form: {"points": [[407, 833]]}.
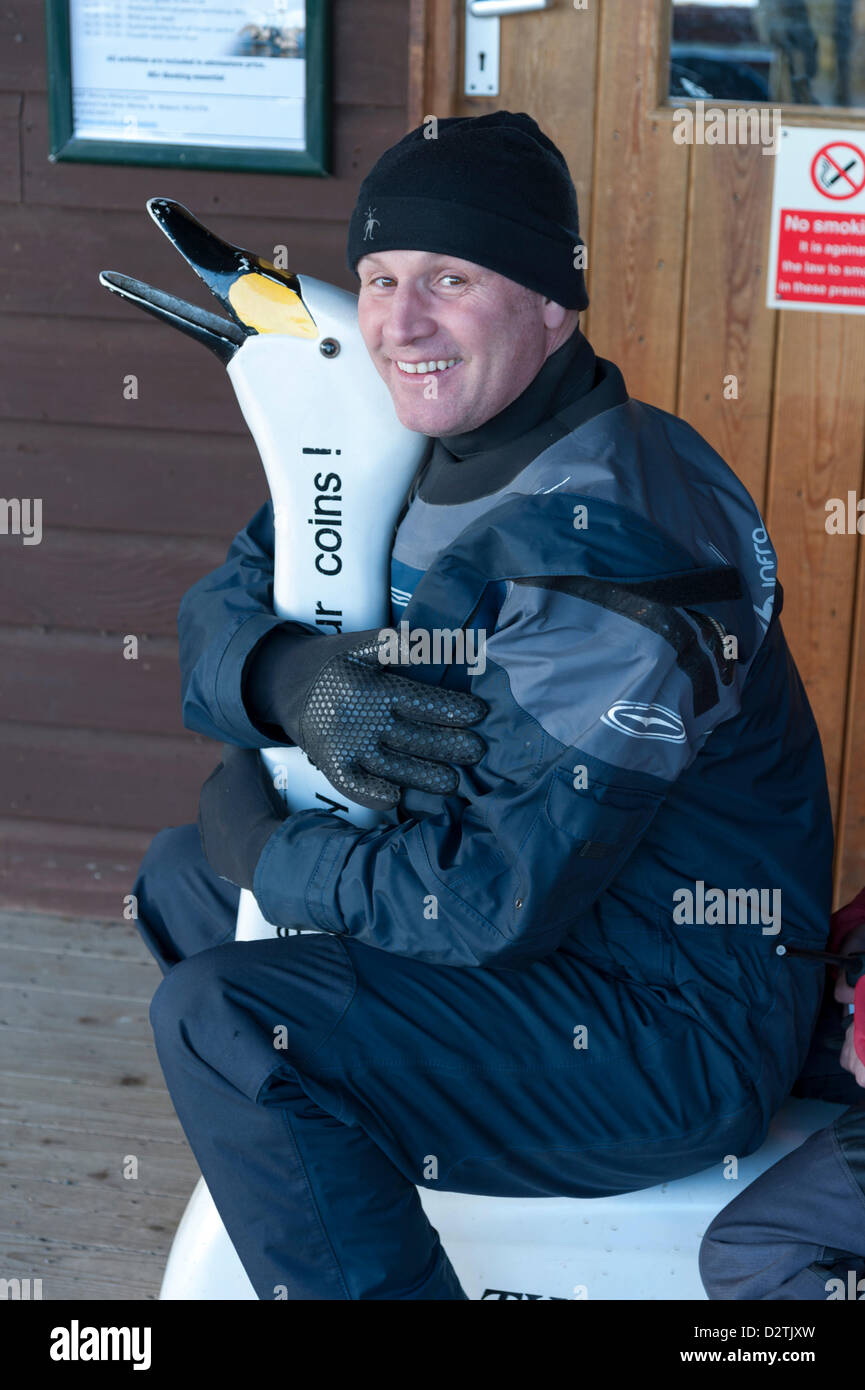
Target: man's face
{"points": [[421, 307]]}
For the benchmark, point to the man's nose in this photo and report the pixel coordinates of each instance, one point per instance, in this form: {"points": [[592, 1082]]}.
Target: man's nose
{"points": [[407, 316]]}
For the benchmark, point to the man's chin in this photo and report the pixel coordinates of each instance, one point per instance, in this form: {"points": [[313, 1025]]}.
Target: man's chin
{"points": [[426, 421]]}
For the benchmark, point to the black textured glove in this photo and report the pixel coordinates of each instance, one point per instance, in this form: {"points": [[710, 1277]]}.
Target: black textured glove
{"points": [[238, 811], [369, 731]]}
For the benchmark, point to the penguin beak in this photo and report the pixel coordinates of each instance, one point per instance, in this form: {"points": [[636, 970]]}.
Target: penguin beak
{"points": [[258, 297], [216, 333]]}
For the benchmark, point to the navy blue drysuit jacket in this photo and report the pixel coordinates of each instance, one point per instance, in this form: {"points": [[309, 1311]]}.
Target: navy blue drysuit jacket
{"points": [[653, 780]]}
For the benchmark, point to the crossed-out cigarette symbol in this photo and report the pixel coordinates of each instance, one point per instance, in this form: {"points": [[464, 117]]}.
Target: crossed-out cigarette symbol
{"points": [[838, 170]]}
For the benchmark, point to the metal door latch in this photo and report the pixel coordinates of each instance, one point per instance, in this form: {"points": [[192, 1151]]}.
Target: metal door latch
{"points": [[482, 43]]}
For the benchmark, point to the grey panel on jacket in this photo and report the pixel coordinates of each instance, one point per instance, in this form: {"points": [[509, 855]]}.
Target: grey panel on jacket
{"points": [[570, 663]]}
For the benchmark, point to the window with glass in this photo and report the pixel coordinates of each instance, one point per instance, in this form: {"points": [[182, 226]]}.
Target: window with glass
{"points": [[787, 52]]}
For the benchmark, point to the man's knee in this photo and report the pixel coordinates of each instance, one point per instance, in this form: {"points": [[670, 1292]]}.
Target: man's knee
{"points": [[234, 1010], [197, 1023], [190, 993]]}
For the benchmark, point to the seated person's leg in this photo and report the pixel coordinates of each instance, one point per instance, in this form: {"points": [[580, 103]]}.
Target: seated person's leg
{"points": [[182, 906], [798, 1225], [320, 1081]]}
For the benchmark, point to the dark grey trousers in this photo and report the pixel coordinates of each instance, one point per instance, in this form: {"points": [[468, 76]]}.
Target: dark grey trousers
{"points": [[798, 1231]]}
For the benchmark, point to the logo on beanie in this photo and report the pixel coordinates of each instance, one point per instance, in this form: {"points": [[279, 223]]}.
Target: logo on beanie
{"points": [[369, 224]]}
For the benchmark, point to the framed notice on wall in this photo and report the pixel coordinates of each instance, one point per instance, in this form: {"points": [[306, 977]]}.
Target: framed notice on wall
{"points": [[191, 83]]}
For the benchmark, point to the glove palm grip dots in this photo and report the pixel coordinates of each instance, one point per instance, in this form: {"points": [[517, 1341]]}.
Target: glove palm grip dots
{"points": [[371, 731]]}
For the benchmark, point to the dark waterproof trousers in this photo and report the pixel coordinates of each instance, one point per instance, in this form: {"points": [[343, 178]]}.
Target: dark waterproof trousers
{"points": [[798, 1231], [320, 1082]]}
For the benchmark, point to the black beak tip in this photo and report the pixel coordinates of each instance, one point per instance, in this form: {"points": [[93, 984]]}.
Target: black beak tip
{"points": [[163, 209]]}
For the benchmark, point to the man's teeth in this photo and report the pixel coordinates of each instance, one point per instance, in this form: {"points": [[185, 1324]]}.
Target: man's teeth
{"points": [[426, 367]]}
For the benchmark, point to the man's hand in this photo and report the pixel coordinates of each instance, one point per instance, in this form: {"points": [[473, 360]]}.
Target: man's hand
{"points": [[369, 730], [846, 994], [850, 1059], [372, 732], [239, 809]]}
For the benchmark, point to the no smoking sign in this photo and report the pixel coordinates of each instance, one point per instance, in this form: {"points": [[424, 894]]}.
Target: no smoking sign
{"points": [[817, 248]]}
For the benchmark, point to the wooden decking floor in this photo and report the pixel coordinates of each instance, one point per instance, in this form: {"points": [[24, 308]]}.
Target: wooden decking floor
{"points": [[82, 1094]]}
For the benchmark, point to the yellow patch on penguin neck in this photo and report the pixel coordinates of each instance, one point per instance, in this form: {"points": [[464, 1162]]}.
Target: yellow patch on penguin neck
{"points": [[269, 307]]}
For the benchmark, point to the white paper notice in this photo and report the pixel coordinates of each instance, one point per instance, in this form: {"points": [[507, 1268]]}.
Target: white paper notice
{"points": [[189, 73]]}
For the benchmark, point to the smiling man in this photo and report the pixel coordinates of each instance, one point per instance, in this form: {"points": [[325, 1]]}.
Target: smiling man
{"points": [[500, 998]]}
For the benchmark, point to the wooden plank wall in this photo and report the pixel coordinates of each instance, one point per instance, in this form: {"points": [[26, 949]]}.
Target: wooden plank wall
{"points": [[140, 497], [678, 245]]}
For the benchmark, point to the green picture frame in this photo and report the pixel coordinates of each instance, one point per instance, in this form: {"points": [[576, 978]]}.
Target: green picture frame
{"points": [[314, 159]]}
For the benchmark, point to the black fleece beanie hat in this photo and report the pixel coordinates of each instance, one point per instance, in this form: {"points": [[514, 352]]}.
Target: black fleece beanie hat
{"points": [[490, 189]]}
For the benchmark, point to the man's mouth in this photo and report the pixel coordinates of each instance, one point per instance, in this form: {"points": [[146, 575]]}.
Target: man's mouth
{"points": [[424, 368]]}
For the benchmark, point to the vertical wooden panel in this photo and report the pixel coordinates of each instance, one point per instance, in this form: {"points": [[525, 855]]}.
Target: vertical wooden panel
{"points": [[726, 329], [639, 206], [850, 821], [432, 60], [818, 434]]}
